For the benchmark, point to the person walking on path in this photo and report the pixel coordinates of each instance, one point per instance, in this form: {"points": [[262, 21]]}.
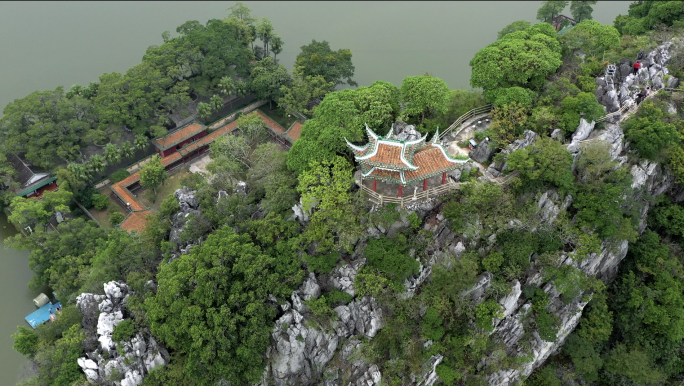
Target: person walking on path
{"points": [[637, 66]]}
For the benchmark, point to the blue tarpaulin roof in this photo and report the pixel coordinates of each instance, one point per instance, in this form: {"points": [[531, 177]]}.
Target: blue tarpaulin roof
{"points": [[42, 314]]}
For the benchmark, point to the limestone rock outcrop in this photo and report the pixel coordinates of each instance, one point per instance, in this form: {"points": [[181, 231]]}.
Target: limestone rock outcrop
{"points": [[112, 363]]}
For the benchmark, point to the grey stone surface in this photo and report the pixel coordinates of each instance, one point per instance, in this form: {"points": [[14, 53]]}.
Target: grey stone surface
{"points": [[483, 152], [110, 364]]}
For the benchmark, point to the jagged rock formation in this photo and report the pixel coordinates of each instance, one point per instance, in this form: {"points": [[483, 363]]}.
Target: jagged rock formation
{"points": [[188, 206], [108, 362], [405, 132], [483, 152]]}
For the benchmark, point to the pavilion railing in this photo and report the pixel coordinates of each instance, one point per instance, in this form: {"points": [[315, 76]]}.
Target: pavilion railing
{"points": [[474, 112], [425, 195]]}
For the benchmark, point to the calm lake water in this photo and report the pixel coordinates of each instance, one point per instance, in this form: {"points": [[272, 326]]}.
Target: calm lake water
{"points": [[48, 44]]}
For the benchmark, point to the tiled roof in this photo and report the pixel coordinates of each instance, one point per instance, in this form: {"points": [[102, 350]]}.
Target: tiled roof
{"points": [[294, 131], [121, 190], [135, 221], [430, 161], [179, 135], [270, 122]]}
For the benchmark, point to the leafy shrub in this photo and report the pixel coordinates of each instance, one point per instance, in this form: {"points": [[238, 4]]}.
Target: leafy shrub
{"points": [[493, 261], [118, 175], [123, 331], [390, 257], [25, 341], [116, 218], [100, 201], [447, 374], [432, 325], [504, 96], [485, 312], [321, 263], [336, 297], [85, 196], [547, 324], [414, 220], [572, 109], [321, 310]]}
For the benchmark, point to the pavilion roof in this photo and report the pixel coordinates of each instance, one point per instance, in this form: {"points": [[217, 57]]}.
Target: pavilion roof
{"points": [[403, 162]]}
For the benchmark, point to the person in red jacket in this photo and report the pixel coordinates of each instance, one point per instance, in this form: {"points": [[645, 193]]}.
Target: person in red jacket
{"points": [[637, 66]]}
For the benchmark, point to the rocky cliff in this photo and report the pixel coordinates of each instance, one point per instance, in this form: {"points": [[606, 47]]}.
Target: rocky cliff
{"points": [[303, 353], [112, 363]]}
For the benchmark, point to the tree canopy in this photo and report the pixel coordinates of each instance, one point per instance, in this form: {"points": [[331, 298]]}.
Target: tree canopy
{"points": [[212, 306], [424, 94], [344, 114], [153, 174], [523, 58], [318, 58]]}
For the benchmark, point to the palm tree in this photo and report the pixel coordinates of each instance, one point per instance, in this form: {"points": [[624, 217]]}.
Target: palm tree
{"points": [[140, 142], [216, 102], [97, 163], [80, 171], [226, 85], [112, 154], [241, 89], [127, 150]]}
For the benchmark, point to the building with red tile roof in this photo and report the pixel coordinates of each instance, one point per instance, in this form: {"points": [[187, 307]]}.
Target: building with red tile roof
{"points": [[179, 137], [403, 162], [292, 134], [136, 218]]}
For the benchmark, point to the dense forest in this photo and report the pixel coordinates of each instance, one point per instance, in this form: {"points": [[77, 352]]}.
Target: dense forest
{"points": [[223, 276]]}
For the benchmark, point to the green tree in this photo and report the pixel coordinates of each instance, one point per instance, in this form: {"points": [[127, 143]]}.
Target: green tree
{"points": [[545, 161], [516, 26], [153, 174], [216, 102], [227, 85], [632, 364], [57, 363], [211, 305], [424, 94], [325, 188], [25, 341], [127, 150], [318, 58], [592, 37], [649, 133], [140, 142], [508, 122], [204, 110], [267, 79], [61, 259], [550, 9], [522, 58], [97, 164], [116, 218], [584, 105], [581, 10], [296, 98], [343, 114], [30, 212], [390, 256]]}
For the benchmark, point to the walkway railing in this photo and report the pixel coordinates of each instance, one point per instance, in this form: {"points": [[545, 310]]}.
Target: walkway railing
{"points": [[425, 195], [476, 111]]}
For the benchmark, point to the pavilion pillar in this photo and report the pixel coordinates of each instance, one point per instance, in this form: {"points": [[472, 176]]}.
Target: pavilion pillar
{"points": [[443, 178], [400, 186], [375, 185], [424, 184]]}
